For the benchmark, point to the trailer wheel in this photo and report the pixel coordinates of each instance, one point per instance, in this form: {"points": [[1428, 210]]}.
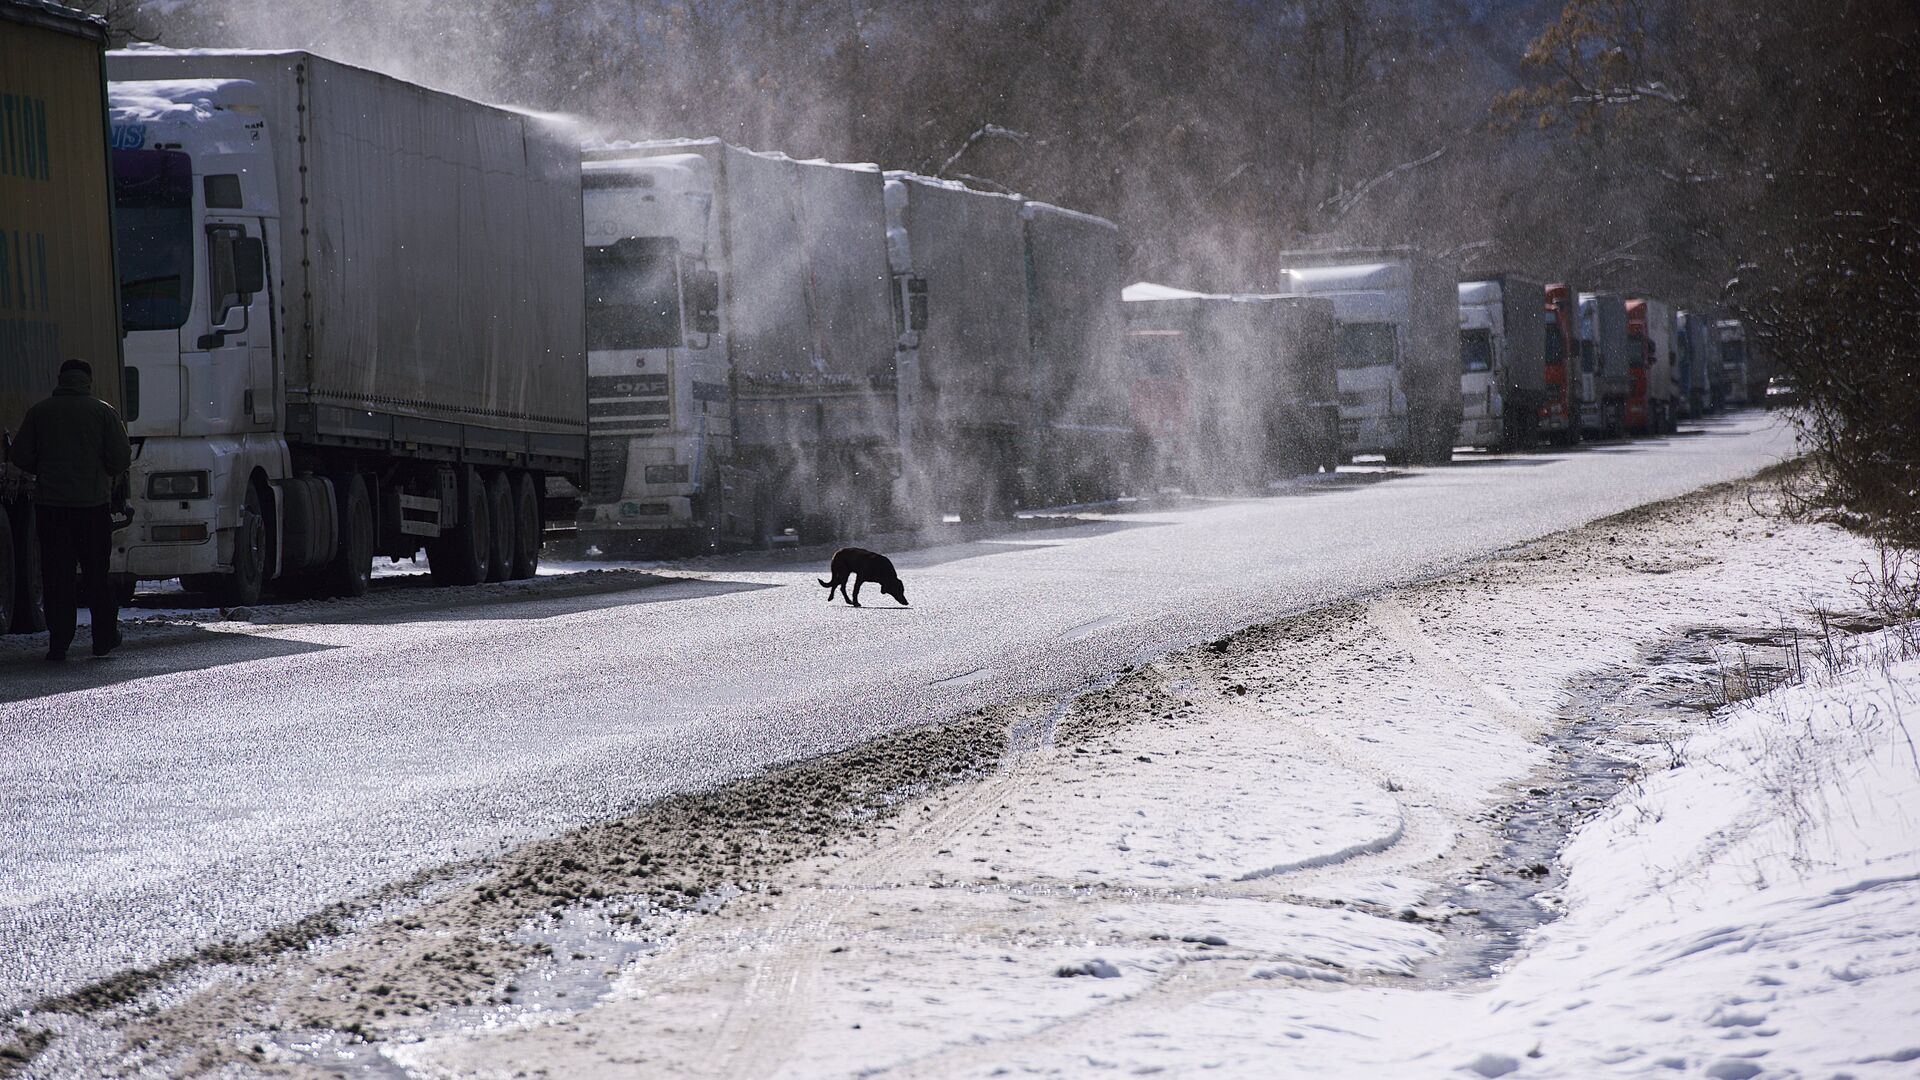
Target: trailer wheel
{"points": [[459, 556], [29, 614], [527, 528], [242, 587], [351, 572], [501, 516]]}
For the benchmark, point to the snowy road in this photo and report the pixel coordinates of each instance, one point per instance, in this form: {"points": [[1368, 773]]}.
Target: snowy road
{"points": [[213, 784]]}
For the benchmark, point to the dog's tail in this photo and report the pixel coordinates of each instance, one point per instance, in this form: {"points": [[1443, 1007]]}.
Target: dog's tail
{"points": [[828, 584]]}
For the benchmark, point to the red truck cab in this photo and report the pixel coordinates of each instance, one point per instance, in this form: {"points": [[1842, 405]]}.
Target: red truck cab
{"points": [[1559, 407]]}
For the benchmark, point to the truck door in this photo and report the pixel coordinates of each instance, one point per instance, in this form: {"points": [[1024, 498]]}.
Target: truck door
{"points": [[225, 347]]}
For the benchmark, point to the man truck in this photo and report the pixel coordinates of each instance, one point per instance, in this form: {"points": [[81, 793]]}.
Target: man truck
{"points": [[1398, 346], [58, 292], [1502, 362], [350, 338]]}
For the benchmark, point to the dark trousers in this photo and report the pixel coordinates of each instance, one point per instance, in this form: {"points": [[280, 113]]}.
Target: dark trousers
{"points": [[71, 535]]}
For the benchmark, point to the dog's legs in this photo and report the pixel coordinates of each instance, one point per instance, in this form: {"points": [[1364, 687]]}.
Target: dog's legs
{"points": [[843, 591], [831, 586], [857, 582]]}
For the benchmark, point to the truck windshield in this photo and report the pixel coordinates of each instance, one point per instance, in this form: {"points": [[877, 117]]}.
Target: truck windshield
{"points": [[153, 237], [1476, 350], [633, 294], [1366, 344]]}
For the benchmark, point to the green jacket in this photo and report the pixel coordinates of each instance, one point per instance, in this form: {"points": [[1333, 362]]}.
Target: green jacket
{"points": [[74, 444]]}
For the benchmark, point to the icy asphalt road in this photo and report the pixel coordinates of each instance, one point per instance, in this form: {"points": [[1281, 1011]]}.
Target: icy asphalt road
{"points": [[212, 786]]}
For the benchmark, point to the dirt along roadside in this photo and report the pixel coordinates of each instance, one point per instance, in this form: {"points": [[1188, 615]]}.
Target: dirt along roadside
{"points": [[1173, 871]]}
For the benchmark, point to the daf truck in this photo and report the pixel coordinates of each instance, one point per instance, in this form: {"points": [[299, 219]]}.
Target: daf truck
{"points": [[354, 314], [741, 347], [1606, 354], [1398, 347], [58, 290], [1502, 362]]}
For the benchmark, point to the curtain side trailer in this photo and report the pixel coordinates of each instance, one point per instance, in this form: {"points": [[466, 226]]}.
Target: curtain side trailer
{"points": [[59, 293]]}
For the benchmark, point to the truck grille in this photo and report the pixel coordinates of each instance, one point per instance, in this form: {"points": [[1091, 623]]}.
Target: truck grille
{"points": [[606, 469]]}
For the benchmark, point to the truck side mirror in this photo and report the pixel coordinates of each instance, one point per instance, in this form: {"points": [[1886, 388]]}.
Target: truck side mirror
{"points": [[249, 265], [703, 297]]}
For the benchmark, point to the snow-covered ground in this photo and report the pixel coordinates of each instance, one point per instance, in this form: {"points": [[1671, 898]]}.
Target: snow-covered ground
{"points": [[1260, 858]]}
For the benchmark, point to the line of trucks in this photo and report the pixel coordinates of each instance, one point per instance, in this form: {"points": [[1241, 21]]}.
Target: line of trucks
{"points": [[346, 317]]}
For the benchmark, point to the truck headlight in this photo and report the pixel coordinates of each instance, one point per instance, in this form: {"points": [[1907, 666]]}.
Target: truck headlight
{"points": [[178, 485]]}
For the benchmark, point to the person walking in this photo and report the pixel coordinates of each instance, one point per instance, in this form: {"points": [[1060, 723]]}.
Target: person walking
{"points": [[76, 448]]}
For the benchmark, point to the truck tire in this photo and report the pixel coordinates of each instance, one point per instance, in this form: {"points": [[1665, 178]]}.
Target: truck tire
{"points": [[351, 571], [526, 528], [500, 526], [242, 587], [29, 613], [459, 556]]}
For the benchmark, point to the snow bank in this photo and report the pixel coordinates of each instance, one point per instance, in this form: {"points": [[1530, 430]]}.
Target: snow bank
{"points": [[1750, 913]]}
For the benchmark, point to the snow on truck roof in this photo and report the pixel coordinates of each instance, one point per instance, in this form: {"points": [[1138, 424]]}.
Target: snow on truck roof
{"points": [[1347, 277], [139, 52], [223, 113], [634, 149]]}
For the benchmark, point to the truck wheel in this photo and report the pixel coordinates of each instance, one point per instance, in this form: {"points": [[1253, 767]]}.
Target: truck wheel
{"points": [[500, 526], [29, 615], [242, 587], [526, 528], [459, 556], [351, 572]]}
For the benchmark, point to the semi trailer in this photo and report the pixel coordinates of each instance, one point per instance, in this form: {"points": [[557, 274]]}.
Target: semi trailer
{"points": [[59, 296], [350, 338], [967, 425], [1735, 361], [1502, 362], [1693, 343], [1084, 441], [1232, 391], [741, 345], [1606, 354], [1398, 346]]}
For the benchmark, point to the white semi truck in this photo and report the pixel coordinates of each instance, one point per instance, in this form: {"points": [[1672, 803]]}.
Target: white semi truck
{"points": [[1651, 395], [1502, 362], [349, 338], [1398, 347], [741, 337], [1698, 363]]}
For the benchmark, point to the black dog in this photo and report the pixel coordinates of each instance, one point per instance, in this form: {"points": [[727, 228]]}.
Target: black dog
{"points": [[863, 566]]}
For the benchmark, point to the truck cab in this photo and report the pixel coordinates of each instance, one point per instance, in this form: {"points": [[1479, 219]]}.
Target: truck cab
{"points": [[660, 417], [1502, 368], [1567, 384], [1371, 342], [195, 231]]}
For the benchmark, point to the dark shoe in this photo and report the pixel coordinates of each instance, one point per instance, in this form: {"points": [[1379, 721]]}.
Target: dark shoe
{"points": [[103, 646]]}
